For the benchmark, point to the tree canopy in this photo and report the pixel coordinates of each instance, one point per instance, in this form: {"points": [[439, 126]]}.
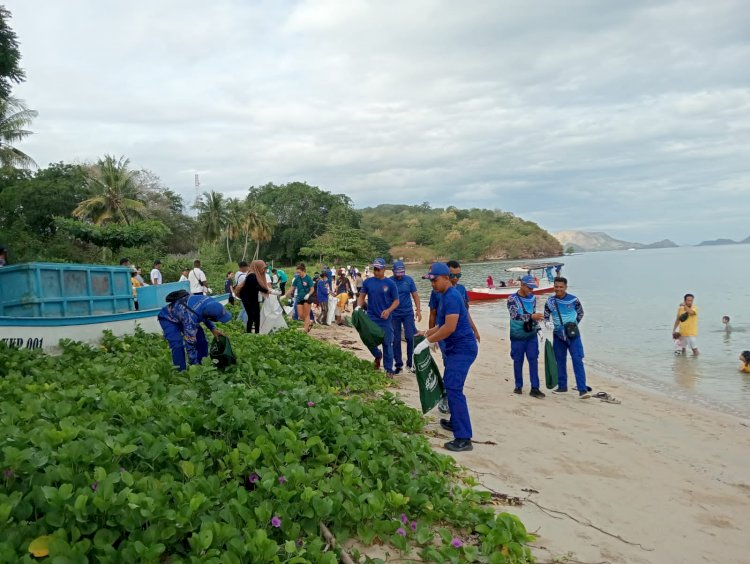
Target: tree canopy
{"points": [[10, 56]]}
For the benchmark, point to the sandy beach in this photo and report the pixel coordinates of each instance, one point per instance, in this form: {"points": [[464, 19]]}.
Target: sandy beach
{"points": [[651, 480]]}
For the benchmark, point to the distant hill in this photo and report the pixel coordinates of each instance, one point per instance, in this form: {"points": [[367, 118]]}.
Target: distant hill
{"points": [[715, 242], [422, 233], [587, 241]]}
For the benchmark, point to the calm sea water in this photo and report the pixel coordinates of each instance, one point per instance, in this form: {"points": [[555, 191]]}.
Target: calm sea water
{"points": [[631, 299]]}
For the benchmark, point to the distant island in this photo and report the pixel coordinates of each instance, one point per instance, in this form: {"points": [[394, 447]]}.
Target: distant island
{"points": [[423, 233], [589, 241], [716, 242]]}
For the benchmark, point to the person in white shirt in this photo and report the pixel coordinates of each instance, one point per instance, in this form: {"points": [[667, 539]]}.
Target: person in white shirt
{"points": [[197, 279], [184, 276], [156, 278]]}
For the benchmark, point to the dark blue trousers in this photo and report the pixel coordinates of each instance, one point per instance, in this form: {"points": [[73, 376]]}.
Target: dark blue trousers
{"points": [[575, 347], [173, 334], [528, 348], [410, 329], [387, 355], [454, 376]]}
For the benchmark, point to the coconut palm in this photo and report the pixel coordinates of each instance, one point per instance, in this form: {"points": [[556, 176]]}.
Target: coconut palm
{"points": [[14, 118], [118, 192], [235, 217], [212, 215], [262, 230]]}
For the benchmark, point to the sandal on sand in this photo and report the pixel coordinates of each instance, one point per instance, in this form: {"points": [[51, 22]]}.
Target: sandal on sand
{"points": [[606, 398]]}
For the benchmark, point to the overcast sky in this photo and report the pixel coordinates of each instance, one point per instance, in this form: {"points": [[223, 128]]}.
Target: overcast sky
{"points": [[628, 117]]}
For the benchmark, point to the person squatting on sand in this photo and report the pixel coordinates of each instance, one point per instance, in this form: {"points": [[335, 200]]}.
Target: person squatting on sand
{"points": [[565, 310], [453, 328], [523, 335]]}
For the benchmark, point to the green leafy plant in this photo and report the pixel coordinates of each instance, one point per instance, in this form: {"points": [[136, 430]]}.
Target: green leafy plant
{"points": [[110, 455]]}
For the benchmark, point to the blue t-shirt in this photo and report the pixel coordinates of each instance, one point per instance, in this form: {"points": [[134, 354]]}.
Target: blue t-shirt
{"points": [[462, 340], [405, 287], [435, 296], [322, 291], [380, 295]]}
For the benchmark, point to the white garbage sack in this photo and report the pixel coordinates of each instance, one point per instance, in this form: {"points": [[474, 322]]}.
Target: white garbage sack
{"points": [[331, 309], [271, 315], [289, 310]]}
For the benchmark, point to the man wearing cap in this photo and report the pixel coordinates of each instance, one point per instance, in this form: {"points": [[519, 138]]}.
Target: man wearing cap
{"points": [[561, 309], [523, 335], [156, 278], [404, 316], [382, 300], [180, 321], [453, 328], [454, 269]]}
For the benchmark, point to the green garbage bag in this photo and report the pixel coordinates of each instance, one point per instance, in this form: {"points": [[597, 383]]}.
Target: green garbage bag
{"points": [[370, 332], [428, 377], [550, 365], [221, 352]]}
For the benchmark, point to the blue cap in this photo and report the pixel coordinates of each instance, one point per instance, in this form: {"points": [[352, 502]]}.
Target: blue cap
{"points": [[437, 269], [398, 267], [529, 281], [378, 263], [216, 312]]}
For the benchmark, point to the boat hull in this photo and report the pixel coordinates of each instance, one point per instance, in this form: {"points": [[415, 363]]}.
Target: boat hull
{"points": [[45, 333], [481, 295]]}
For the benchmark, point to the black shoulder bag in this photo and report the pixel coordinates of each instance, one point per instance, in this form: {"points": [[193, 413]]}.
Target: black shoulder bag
{"points": [[571, 329]]}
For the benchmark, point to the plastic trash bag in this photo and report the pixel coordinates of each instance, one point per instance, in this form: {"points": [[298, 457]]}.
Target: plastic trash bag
{"points": [[371, 334], [550, 365], [428, 377], [221, 352], [331, 309], [242, 315], [271, 315]]}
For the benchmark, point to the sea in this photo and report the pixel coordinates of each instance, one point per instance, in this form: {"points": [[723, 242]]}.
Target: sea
{"points": [[630, 300]]}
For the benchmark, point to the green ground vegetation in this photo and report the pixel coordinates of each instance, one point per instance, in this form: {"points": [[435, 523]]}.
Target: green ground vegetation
{"points": [[110, 455]]}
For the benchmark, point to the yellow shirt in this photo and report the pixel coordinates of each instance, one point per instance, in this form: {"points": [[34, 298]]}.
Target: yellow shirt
{"points": [[688, 328], [745, 369], [342, 298], [136, 284]]}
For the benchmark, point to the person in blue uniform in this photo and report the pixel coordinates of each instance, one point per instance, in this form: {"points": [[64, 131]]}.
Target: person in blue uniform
{"points": [[181, 320], [565, 308], [454, 269], [382, 300], [524, 328], [403, 316], [453, 328]]}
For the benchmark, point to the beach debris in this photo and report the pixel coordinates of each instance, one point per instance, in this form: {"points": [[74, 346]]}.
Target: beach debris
{"points": [[607, 398], [529, 490]]}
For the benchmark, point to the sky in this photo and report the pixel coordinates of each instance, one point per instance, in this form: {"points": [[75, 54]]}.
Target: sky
{"points": [[626, 117]]}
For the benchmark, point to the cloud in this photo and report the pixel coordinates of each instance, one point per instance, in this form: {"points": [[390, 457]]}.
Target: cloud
{"points": [[569, 113]]}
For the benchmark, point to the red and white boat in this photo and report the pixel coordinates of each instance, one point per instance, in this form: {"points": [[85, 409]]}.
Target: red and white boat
{"points": [[503, 293]]}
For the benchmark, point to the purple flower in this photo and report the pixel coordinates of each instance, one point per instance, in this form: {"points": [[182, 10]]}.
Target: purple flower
{"points": [[94, 486], [299, 542], [404, 518], [401, 532], [276, 522], [456, 543], [282, 479], [413, 525], [253, 478], [8, 473], [310, 404]]}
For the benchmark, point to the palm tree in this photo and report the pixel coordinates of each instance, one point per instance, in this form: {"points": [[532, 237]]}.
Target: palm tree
{"points": [[235, 216], [14, 117], [257, 224], [118, 193], [262, 229], [212, 215]]}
